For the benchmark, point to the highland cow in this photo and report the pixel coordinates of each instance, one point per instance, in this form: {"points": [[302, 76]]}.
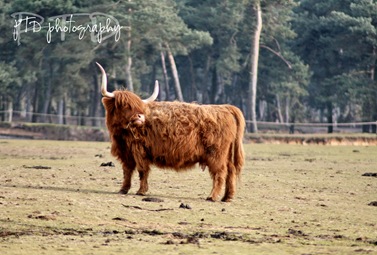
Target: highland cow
{"points": [[174, 135]]}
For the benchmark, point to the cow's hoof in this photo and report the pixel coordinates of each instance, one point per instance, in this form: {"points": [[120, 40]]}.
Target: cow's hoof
{"points": [[140, 193], [226, 199], [123, 192], [210, 199]]}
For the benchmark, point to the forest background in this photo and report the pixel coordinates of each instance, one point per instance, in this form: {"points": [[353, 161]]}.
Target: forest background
{"points": [[281, 61]]}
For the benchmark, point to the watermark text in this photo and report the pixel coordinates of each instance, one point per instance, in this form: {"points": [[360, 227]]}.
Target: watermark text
{"points": [[99, 26]]}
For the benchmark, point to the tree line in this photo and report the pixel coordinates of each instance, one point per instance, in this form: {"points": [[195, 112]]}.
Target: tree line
{"points": [[277, 60]]}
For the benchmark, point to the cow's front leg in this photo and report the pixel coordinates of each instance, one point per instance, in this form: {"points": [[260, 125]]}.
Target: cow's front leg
{"points": [[128, 170], [218, 176], [143, 174]]}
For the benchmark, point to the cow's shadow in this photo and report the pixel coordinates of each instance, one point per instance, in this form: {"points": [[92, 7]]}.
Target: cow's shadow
{"points": [[93, 191], [53, 188]]}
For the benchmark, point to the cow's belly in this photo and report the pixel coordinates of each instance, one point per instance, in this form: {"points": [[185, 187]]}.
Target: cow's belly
{"points": [[180, 150], [175, 162], [177, 158]]}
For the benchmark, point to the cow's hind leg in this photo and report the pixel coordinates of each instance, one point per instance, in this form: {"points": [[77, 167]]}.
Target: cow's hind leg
{"points": [[143, 174], [218, 174], [230, 185]]}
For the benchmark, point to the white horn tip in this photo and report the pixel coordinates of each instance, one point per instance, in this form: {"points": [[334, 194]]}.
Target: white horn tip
{"points": [[104, 91], [154, 96], [102, 69]]}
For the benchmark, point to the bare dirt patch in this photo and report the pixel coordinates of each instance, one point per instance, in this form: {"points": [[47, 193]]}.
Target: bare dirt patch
{"points": [[292, 199]]}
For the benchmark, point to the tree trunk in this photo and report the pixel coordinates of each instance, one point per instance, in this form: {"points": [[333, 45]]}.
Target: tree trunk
{"points": [[10, 111], [66, 112], [254, 58], [95, 100], [330, 128], [368, 106], [374, 94], [61, 111], [34, 117], [129, 82], [36, 99], [128, 66], [214, 87], [193, 87], [204, 87], [28, 105], [2, 108], [47, 95], [280, 115], [287, 112], [177, 85], [262, 109], [373, 65], [46, 104], [219, 89], [165, 74]]}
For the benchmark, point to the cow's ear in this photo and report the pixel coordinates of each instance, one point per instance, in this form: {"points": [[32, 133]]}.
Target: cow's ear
{"points": [[109, 104]]}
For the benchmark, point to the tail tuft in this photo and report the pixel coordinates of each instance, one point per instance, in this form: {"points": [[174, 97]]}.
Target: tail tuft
{"points": [[239, 157]]}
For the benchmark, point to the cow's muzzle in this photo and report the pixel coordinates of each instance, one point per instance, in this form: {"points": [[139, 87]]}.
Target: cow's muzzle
{"points": [[138, 119]]}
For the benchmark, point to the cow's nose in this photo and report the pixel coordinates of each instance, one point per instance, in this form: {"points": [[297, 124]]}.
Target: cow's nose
{"points": [[140, 118]]}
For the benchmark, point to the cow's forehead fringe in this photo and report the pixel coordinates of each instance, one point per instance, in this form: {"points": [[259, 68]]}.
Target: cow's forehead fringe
{"points": [[125, 98]]}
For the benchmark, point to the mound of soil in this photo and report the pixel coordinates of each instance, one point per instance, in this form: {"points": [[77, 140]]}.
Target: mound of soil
{"points": [[318, 139]]}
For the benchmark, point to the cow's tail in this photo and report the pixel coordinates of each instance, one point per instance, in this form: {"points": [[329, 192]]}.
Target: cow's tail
{"points": [[238, 156]]}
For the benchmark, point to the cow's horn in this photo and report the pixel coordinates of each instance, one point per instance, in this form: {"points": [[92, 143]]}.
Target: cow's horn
{"points": [[104, 91], [154, 95]]}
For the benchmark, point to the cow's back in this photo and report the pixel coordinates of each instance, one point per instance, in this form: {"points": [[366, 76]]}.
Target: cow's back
{"points": [[178, 135]]}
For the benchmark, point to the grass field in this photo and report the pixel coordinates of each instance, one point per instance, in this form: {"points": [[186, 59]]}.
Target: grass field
{"points": [[55, 198]]}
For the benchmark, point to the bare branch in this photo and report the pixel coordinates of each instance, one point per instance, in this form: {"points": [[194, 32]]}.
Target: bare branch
{"points": [[278, 54], [140, 208]]}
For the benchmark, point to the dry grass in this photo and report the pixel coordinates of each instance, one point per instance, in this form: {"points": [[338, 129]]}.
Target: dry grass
{"points": [[56, 199]]}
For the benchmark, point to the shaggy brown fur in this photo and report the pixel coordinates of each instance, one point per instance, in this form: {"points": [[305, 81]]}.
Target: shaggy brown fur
{"points": [[176, 136]]}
